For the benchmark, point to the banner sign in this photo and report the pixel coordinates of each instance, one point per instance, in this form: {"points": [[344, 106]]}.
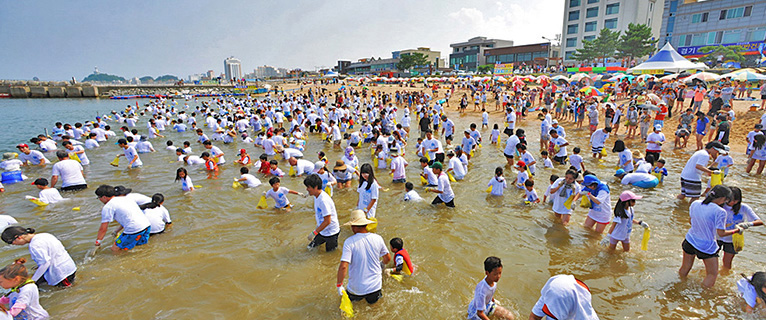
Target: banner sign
{"points": [[749, 47], [503, 68]]}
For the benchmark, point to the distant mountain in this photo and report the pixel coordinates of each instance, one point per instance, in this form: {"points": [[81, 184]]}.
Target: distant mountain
{"points": [[166, 78], [103, 77]]}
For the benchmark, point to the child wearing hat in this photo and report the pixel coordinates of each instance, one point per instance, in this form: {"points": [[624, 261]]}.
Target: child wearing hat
{"points": [[622, 225], [244, 158], [343, 174], [522, 176], [47, 194], [654, 141]]}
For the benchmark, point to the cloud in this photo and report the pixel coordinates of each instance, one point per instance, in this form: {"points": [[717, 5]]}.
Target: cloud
{"points": [[512, 21]]}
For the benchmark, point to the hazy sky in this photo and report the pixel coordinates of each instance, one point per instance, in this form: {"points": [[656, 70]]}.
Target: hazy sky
{"points": [[56, 40]]}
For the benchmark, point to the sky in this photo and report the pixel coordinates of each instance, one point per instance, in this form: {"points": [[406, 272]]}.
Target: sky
{"points": [[58, 40]]}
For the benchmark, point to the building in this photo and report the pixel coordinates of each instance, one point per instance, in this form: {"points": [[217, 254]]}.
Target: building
{"points": [[342, 66], [232, 68], [584, 19], [690, 25], [379, 66], [434, 57], [543, 54], [469, 55]]}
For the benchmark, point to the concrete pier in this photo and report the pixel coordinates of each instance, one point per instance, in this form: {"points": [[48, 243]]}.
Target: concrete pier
{"points": [[60, 89]]}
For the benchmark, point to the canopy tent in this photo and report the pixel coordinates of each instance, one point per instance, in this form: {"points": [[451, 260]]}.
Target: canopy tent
{"points": [[330, 74], [666, 60]]}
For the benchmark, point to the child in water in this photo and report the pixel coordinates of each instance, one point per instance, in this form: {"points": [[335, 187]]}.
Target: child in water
{"points": [[411, 195], [24, 298], [623, 222], [186, 182], [530, 195], [47, 194], [523, 176], [493, 137], [483, 304], [279, 194], [753, 290], [402, 262], [547, 196], [497, 184], [659, 170]]}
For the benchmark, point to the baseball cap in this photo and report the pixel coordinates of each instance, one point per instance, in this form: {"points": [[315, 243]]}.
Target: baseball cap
{"points": [[759, 126], [241, 151], [658, 127], [619, 172], [436, 165], [22, 145], [629, 195]]}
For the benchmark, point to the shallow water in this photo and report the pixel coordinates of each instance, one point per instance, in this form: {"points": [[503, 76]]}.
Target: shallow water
{"points": [[223, 258]]}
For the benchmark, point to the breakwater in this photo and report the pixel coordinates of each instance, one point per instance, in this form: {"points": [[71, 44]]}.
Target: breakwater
{"points": [[63, 89]]}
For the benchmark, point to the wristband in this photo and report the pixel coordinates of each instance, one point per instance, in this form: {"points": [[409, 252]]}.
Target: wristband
{"points": [[315, 232], [98, 242], [339, 284]]}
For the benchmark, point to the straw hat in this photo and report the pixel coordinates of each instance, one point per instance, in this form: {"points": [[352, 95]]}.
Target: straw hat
{"points": [[637, 154], [358, 218], [340, 166]]}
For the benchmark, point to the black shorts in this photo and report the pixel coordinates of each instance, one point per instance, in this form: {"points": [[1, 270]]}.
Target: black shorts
{"points": [[355, 145], [439, 157], [67, 282], [330, 242], [727, 247], [561, 160], [370, 297], [75, 187], [690, 249], [449, 137], [343, 181], [438, 200], [508, 156]]}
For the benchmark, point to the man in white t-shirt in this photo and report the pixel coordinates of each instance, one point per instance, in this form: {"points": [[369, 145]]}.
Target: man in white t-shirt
{"points": [[134, 224], [559, 146], [28, 156], [70, 171], [361, 259], [327, 229], [443, 187], [302, 166], [691, 176], [398, 164]]}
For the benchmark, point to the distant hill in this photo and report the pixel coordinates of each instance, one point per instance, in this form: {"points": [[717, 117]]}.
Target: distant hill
{"points": [[166, 78], [102, 77]]}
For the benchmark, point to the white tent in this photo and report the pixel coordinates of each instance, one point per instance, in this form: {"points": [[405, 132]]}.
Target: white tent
{"points": [[667, 60], [330, 74]]}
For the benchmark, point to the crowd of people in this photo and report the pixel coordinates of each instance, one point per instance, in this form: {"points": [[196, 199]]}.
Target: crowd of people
{"points": [[356, 120]]}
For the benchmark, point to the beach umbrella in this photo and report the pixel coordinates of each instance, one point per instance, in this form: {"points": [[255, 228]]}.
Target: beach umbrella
{"points": [[740, 75], [648, 107], [703, 76], [591, 91], [560, 78], [542, 78], [670, 77], [617, 77], [645, 77], [518, 82], [597, 77], [653, 98], [501, 79], [528, 78], [577, 77]]}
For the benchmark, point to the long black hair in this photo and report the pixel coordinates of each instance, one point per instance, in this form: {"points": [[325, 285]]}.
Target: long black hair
{"points": [[157, 200], [758, 281], [619, 208], [366, 168], [719, 191], [758, 141], [736, 194]]}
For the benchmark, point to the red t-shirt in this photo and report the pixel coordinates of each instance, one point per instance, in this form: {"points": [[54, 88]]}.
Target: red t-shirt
{"points": [[661, 114]]}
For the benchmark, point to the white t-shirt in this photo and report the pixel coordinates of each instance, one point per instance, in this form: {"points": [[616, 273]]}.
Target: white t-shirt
{"points": [[30, 296], [52, 259], [528, 158], [443, 185], [565, 299], [131, 153], [430, 176], [279, 196], [362, 251], [397, 164], [623, 227], [510, 145], [747, 291], [6, 220], [251, 181], [626, 160], [366, 196], [158, 217], [530, 196], [91, 144], [575, 160], [127, 213], [34, 157], [268, 147], [601, 212], [559, 141], [457, 168], [324, 206], [690, 171], [558, 199], [70, 172], [292, 152], [482, 296], [654, 137], [498, 185], [746, 214], [412, 195], [50, 196], [304, 167], [547, 163], [705, 220], [598, 138]]}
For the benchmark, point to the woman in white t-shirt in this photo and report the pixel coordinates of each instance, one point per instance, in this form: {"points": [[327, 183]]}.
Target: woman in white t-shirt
{"points": [[368, 191], [158, 216], [53, 261], [708, 220], [564, 192], [624, 156]]}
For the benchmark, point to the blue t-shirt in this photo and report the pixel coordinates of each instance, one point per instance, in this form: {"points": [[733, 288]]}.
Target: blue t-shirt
{"points": [[702, 125]]}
